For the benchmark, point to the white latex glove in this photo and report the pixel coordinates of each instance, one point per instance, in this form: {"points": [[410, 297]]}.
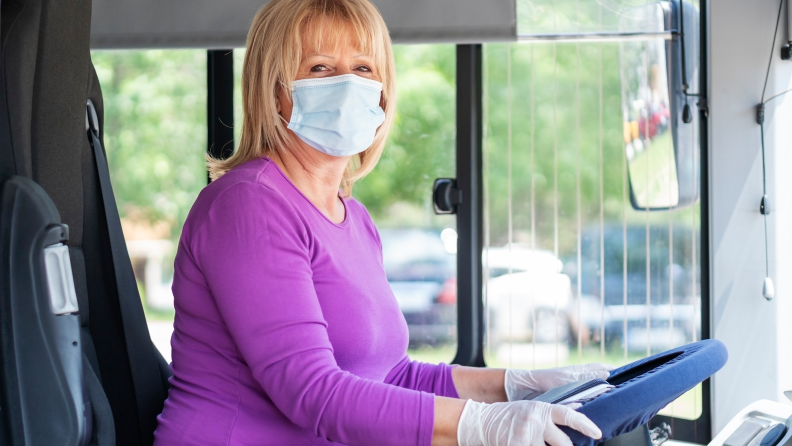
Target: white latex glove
{"points": [[528, 384], [520, 423]]}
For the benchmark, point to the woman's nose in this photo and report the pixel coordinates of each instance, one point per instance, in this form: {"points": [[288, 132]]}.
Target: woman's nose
{"points": [[342, 69]]}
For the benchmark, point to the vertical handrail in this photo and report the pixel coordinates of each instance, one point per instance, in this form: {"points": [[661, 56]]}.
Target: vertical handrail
{"points": [[470, 221]]}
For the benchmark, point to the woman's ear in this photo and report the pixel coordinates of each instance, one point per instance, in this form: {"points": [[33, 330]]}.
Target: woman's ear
{"points": [[283, 105]]}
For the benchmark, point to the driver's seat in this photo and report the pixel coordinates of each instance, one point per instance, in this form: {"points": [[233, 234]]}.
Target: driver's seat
{"points": [[55, 176]]}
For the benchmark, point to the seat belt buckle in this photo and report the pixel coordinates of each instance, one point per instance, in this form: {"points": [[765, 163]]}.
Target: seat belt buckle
{"points": [[60, 281]]}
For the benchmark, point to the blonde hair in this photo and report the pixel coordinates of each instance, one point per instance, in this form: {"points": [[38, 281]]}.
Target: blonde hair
{"points": [[274, 52]]}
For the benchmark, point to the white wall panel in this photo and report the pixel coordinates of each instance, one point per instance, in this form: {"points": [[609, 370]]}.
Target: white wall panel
{"points": [[756, 332]]}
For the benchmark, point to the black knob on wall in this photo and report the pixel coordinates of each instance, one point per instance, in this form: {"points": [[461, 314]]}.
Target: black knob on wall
{"points": [[446, 196]]}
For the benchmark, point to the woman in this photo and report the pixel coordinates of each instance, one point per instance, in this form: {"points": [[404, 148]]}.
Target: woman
{"points": [[286, 330]]}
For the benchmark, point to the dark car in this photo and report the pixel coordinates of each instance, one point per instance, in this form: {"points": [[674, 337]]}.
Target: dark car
{"points": [[422, 275], [652, 319]]}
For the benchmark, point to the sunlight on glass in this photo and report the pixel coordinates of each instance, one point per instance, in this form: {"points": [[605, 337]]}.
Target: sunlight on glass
{"points": [[449, 238], [537, 17]]}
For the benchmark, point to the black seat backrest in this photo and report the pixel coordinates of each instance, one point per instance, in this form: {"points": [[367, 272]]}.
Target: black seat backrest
{"points": [[44, 399], [48, 81]]}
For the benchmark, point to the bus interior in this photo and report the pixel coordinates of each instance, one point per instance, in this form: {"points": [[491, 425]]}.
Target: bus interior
{"points": [[566, 181]]}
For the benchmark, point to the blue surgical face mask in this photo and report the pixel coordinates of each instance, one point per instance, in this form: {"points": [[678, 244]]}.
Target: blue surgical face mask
{"points": [[337, 115]]}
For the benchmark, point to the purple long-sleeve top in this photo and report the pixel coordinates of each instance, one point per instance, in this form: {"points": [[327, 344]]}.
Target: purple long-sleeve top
{"points": [[286, 330]]}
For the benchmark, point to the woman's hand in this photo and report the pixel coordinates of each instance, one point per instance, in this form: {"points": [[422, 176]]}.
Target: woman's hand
{"points": [[520, 423], [528, 384]]}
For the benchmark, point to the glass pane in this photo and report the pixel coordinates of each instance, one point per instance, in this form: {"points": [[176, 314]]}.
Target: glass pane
{"points": [[574, 274], [155, 136], [419, 247], [538, 17]]}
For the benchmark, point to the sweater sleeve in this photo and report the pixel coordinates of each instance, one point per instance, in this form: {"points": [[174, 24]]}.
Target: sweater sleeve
{"points": [[255, 255], [416, 375]]}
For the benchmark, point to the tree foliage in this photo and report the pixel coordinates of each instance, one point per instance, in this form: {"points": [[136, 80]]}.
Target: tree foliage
{"points": [[559, 114], [552, 110], [154, 131], [420, 147]]}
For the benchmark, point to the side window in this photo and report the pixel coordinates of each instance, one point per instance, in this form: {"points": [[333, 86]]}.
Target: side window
{"points": [[574, 273], [155, 133], [419, 247], [155, 127], [155, 108]]}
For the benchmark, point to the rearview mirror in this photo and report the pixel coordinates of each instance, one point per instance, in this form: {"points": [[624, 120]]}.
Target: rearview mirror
{"points": [[660, 131]]}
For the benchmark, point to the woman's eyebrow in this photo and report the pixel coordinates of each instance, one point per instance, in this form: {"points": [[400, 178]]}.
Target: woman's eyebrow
{"points": [[321, 55]]}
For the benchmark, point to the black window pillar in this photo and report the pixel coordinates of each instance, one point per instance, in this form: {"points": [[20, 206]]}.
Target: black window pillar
{"points": [[470, 211], [220, 102]]}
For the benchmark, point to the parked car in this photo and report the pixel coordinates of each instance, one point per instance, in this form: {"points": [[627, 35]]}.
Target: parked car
{"points": [[658, 325], [527, 295], [422, 274]]}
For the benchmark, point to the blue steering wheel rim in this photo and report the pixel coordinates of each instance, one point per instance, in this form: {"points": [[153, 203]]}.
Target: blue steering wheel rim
{"points": [[644, 387]]}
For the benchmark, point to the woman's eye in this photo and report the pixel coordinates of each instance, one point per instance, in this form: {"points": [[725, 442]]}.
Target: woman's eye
{"points": [[364, 68], [318, 68]]}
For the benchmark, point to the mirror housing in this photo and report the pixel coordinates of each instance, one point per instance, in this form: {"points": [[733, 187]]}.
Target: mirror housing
{"points": [[659, 78]]}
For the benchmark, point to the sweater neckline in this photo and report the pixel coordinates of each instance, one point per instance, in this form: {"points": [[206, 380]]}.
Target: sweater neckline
{"points": [[343, 224]]}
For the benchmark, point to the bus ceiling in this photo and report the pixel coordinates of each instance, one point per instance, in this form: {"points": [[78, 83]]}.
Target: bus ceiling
{"points": [[118, 24]]}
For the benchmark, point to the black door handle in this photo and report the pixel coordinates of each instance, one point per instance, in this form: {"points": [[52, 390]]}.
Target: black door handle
{"points": [[446, 196]]}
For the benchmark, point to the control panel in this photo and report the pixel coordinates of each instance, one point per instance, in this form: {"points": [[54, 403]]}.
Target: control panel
{"points": [[763, 423]]}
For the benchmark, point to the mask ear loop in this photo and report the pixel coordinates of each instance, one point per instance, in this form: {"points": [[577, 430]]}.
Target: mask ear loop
{"points": [[284, 89]]}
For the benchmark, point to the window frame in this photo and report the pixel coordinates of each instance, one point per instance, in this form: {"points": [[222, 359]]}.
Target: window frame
{"points": [[700, 430], [220, 103], [470, 302], [470, 211]]}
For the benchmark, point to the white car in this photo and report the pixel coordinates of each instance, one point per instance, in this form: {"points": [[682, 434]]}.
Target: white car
{"points": [[526, 295]]}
